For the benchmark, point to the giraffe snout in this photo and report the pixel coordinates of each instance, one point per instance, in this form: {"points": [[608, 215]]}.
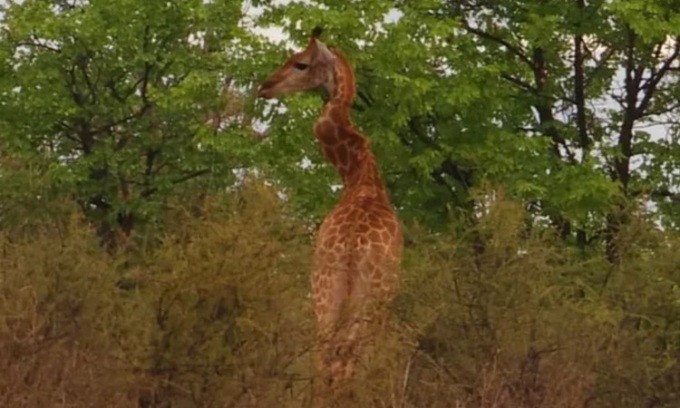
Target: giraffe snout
{"points": [[262, 92], [266, 90]]}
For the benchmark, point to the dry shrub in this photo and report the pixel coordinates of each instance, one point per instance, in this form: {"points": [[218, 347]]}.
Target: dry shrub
{"points": [[216, 313], [213, 310], [55, 294], [379, 377], [506, 316], [229, 316], [643, 292]]}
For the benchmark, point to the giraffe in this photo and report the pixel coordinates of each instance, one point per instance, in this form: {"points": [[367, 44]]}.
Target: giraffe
{"points": [[359, 245]]}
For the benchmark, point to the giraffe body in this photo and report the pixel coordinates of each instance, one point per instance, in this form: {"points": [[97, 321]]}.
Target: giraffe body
{"points": [[359, 244]]}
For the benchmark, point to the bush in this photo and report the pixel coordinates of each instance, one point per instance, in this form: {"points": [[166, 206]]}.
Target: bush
{"points": [[216, 313], [57, 294], [508, 316], [213, 310]]}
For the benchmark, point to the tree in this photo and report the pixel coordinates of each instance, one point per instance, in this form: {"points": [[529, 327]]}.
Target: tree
{"points": [[114, 102], [551, 99]]}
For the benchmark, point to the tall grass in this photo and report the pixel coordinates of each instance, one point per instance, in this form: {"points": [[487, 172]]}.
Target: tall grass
{"points": [[212, 309]]}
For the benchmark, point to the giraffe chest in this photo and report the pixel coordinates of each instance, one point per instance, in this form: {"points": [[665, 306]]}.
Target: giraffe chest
{"points": [[367, 228]]}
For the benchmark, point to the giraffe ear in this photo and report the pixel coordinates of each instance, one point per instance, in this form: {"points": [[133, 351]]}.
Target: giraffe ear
{"points": [[321, 53]]}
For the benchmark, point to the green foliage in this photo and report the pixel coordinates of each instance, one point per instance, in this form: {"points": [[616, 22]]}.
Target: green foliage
{"points": [[109, 99], [457, 94], [108, 103]]}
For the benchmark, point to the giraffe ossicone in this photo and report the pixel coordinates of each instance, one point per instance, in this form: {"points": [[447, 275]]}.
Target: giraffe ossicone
{"points": [[359, 245]]}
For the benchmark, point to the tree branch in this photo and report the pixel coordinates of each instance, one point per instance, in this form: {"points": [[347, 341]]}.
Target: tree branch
{"points": [[599, 64], [522, 84], [675, 197], [38, 45], [658, 194], [652, 82], [82, 64], [516, 50], [579, 89], [633, 77], [544, 108], [148, 192]]}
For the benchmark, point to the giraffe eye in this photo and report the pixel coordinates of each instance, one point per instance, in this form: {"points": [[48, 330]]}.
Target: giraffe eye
{"points": [[301, 66]]}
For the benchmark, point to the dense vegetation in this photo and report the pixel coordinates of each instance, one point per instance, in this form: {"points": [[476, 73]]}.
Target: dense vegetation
{"points": [[156, 222]]}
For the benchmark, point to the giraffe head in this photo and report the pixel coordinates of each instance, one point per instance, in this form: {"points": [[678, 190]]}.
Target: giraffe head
{"points": [[308, 69]]}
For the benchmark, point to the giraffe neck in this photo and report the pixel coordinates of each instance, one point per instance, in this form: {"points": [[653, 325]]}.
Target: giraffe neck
{"points": [[343, 145]]}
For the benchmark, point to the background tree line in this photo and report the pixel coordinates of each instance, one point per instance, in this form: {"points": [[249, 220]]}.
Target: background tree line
{"points": [[530, 147]]}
